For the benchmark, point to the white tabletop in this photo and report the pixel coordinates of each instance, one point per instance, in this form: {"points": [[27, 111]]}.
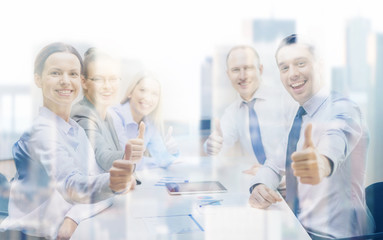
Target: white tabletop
{"points": [[149, 212]]}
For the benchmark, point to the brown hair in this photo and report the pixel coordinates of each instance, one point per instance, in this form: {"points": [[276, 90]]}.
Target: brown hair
{"points": [[50, 49]]}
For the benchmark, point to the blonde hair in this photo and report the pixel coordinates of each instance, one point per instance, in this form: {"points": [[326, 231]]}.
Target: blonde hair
{"points": [[156, 115]]}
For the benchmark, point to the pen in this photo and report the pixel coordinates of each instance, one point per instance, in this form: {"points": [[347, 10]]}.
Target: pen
{"points": [[209, 203]]}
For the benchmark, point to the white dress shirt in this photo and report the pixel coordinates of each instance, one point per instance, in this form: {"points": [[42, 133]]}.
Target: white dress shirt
{"points": [[336, 206], [272, 107], [57, 177]]}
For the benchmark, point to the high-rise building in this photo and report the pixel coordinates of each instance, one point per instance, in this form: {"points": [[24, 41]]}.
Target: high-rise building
{"points": [[206, 95], [339, 80], [266, 36], [358, 70], [377, 113], [268, 30]]}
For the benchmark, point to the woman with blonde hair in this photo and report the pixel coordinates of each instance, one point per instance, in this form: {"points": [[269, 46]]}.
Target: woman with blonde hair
{"points": [[142, 103]]}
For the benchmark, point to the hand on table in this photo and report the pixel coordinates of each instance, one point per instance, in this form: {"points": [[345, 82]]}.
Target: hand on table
{"points": [[137, 145], [262, 197], [308, 164], [67, 229], [215, 140], [170, 142]]}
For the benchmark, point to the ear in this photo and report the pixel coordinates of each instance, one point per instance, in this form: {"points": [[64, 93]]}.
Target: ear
{"points": [[38, 80], [83, 82], [260, 69], [228, 73]]}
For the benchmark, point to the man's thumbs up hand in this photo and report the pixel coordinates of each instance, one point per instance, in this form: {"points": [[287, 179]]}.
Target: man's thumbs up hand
{"points": [[215, 140], [308, 164]]}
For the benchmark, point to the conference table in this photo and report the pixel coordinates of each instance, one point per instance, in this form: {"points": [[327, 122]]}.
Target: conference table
{"points": [[150, 212]]}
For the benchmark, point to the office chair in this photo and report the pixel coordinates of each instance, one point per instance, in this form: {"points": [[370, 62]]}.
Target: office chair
{"points": [[4, 196], [374, 200]]}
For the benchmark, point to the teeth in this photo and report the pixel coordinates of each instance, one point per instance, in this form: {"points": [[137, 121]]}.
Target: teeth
{"points": [[64, 91], [298, 84], [243, 83], [145, 105]]}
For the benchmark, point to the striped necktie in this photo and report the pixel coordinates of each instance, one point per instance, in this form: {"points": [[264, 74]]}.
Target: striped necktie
{"points": [[255, 133], [291, 181]]}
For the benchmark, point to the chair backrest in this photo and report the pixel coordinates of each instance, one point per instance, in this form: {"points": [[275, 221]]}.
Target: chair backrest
{"points": [[30, 170], [4, 195], [374, 200]]}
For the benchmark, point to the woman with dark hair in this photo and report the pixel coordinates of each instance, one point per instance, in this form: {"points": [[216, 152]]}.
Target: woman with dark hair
{"points": [[100, 87], [58, 182]]}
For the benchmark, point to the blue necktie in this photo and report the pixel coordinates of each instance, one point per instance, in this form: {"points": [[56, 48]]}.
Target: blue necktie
{"points": [[255, 133], [291, 180]]}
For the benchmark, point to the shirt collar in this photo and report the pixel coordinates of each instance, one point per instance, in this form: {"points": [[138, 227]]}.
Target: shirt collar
{"points": [[313, 104], [259, 94], [127, 115], [69, 128]]}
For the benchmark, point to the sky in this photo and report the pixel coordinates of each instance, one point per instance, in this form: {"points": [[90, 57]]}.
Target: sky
{"points": [[169, 37]]}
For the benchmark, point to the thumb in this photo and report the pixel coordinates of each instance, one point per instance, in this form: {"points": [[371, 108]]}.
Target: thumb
{"points": [[141, 130], [169, 134], [308, 140], [218, 127], [128, 151]]}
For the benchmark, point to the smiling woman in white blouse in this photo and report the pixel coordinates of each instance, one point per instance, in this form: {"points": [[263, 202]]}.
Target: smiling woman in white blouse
{"points": [[58, 182]]}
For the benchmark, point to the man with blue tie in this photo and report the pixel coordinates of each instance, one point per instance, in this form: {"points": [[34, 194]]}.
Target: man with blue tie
{"points": [[254, 119], [325, 152]]}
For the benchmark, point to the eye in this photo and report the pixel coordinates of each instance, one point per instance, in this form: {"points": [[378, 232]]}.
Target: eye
{"points": [[248, 68], [74, 74], [235, 70], [283, 68], [97, 79], [54, 73], [114, 79], [301, 64]]}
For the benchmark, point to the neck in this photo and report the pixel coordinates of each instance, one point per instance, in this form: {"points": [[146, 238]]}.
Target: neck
{"points": [[136, 117], [101, 109], [63, 112]]}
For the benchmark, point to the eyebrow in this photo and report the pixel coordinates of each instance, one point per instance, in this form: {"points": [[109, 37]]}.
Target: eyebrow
{"points": [[295, 59]]}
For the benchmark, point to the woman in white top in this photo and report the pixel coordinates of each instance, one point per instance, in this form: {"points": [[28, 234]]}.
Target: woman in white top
{"points": [[142, 103], [58, 182]]}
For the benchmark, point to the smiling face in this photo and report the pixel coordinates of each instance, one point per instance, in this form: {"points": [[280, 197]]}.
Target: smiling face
{"points": [[244, 72], [60, 82], [144, 98], [102, 83], [299, 71]]}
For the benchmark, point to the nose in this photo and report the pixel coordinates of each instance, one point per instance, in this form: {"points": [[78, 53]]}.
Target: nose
{"points": [[65, 79], [242, 74], [107, 83], [293, 73]]}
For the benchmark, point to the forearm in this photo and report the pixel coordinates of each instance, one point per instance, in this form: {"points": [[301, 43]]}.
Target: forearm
{"points": [[80, 212], [268, 176], [105, 157], [87, 189]]}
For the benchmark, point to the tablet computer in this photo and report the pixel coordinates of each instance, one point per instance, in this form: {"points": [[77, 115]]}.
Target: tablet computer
{"points": [[195, 187]]}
